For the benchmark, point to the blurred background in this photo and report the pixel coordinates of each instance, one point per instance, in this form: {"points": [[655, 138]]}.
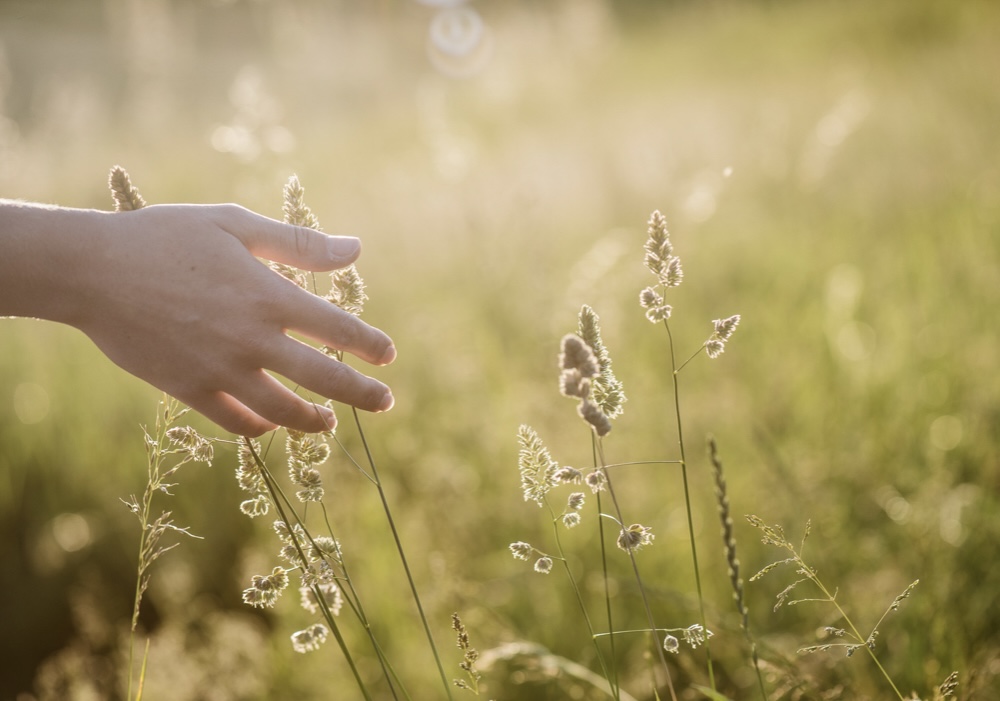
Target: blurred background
{"points": [[828, 170]]}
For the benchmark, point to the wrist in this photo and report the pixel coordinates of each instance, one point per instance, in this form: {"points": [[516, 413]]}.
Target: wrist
{"points": [[47, 256]]}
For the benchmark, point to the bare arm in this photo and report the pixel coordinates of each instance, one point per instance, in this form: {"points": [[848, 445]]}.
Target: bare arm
{"points": [[175, 295]]}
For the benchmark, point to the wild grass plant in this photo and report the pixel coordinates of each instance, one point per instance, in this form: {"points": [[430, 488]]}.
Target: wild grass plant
{"points": [[168, 448], [586, 376]]}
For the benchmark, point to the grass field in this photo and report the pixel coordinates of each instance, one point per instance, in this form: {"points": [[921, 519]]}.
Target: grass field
{"points": [[828, 171]]}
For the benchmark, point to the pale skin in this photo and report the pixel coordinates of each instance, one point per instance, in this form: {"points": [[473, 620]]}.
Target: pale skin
{"points": [[176, 295]]}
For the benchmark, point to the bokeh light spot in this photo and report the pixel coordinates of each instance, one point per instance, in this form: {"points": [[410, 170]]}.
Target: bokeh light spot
{"points": [[71, 532], [946, 432]]}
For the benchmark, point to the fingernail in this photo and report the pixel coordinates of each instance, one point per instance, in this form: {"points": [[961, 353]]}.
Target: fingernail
{"points": [[344, 247], [388, 356], [387, 402], [329, 417]]}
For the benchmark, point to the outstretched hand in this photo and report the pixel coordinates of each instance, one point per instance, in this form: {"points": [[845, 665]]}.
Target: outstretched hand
{"points": [[174, 295]]}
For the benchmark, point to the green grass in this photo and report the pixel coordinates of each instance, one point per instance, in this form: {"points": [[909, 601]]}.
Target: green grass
{"points": [[864, 269]]}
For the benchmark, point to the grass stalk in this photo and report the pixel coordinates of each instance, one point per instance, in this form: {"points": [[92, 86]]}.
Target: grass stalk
{"points": [[402, 554], [687, 499], [635, 569]]}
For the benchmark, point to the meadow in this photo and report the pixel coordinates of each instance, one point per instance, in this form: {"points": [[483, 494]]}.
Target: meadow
{"points": [[827, 171]]}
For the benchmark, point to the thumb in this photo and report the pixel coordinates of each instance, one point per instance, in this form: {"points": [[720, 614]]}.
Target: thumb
{"points": [[299, 246]]}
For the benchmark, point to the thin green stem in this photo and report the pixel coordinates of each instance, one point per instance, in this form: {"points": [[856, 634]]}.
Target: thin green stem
{"points": [[692, 357], [612, 681], [402, 554], [687, 501], [359, 612], [635, 569], [607, 598]]}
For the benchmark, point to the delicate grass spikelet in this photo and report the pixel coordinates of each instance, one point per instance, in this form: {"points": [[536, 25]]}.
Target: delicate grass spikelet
{"points": [[296, 213], [568, 475], [576, 354], [251, 479], [521, 550], [125, 195], [469, 657], [264, 590], [347, 290], [592, 414], [596, 480], [948, 687], [634, 537], [724, 328], [663, 264], [543, 565], [310, 638], [197, 447], [658, 247], [535, 464], [571, 519], [326, 548], [306, 448], [652, 302], [671, 644], [696, 635], [305, 452], [330, 592], [608, 391], [295, 209]]}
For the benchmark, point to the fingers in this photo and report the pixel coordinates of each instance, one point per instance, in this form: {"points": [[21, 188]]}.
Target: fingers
{"points": [[332, 326], [329, 377], [228, 413], [299, 246], [273, 401]]}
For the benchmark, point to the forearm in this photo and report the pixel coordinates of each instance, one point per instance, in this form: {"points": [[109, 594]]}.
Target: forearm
{"points": [[44, 253]]}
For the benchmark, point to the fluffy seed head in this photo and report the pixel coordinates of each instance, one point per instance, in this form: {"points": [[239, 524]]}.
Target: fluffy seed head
{"points": [[347, 290], [535, 464], [714, 347], [521, 550], [310, 638], [650, 298], [571, 519], [294, 207], [608, 391], [543, 565], [593, 415], [724, 327], [568, 475], [331, 597], [673, 275], [634, 537], [596, 481], [573, 384], [258, 506], [575, 354]]}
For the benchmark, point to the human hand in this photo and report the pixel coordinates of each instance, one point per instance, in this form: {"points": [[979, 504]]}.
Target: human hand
{"points": [[174, 295]]}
